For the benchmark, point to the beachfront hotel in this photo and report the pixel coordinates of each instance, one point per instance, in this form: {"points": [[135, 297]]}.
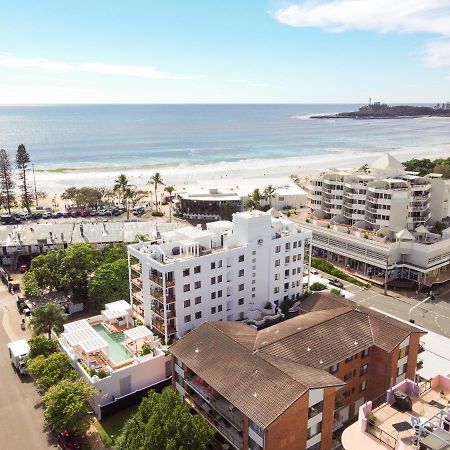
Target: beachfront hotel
{"points": [[292, 385], [234, 270], [378, 222], [115, 357]]}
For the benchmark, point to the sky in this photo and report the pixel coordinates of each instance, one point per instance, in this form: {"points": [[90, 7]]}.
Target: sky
{"points": [[233, 51]]}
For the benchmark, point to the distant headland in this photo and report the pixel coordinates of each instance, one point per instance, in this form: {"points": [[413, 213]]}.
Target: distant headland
{"points": [[379, 110]]}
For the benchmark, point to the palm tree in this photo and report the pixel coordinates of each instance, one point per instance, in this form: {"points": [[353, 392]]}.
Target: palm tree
{"points": [[269, 193], [128, 197], [170, 190], [120, 187], [43, 319], [254, 199], [156, 180]]}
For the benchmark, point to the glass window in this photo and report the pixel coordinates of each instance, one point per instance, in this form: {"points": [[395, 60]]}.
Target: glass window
{"points": [[277, 276], [276, 290], [198, 315], [277, 249], [286, 259], [362, 386], [213, 295], [213, 310], [241, 273], [277, 262], [241, 258], [364, 369], [219, 279], [402, 369], [241, 301], [186, 288], [334, 368], [187, 303], [365, 353], [198, 300], [197, 269], [403, 352], [186, 272], [187, 318], [219, 293], [350, 358], [314, 430], [219, 308], [241, 287], [288, 245], [198, 284], [213, 265], [315, 409], [213, 280], [347, 376]]}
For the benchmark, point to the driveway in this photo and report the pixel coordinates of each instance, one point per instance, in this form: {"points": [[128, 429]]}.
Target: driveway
{"points": [[22, 424]]}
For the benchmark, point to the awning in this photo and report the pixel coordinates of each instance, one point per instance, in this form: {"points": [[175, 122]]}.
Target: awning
{"points": [[75, 326], [136, 333], [93, 345], [111, 314], [81, 336], [119, 305]]}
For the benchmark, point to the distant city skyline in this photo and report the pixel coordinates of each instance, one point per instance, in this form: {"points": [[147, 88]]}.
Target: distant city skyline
{"points": [[269, 51]]}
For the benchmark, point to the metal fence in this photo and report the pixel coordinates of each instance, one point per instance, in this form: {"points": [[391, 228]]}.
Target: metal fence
{"points": [[424, 387], [382, 436]]}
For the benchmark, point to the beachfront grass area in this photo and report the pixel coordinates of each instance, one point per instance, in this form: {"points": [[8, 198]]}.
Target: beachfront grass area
{"points": [[112, 425]]}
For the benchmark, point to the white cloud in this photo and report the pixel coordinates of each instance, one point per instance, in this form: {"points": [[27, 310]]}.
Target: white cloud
{"points": [[44, 65], [437, 53], [384, 16]]}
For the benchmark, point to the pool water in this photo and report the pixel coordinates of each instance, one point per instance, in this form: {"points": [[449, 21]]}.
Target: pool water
{"points": [[116, 351]]}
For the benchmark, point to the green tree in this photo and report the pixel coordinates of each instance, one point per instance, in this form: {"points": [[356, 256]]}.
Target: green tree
{"points": [[317, 286], [43, 319], [110, 282], [22, 161], [164, 422], [85, 197], [6, 180], [78, 263], [50, 370], [114, 252], [156, 180], [254, 199], [46, 270], [268, 194], [121, 185], [42, 345], [227, 209], [170, 190], [30, 285], [66, 406]]}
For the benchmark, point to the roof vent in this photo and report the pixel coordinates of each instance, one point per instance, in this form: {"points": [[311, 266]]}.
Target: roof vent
{"points": [[321, 361], [255, 394], [308, 349], [356, 342], [196, 350]]}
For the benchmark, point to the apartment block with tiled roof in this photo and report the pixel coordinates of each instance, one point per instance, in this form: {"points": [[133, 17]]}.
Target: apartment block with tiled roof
{"points": [[290, 386]]}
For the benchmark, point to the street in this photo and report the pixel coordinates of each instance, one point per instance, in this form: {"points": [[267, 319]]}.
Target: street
{"points": [[22, 424], [433, 315]]}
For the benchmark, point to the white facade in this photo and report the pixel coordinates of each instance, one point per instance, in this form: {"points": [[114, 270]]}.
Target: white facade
{"points": [[387, 197], [228, 272]]}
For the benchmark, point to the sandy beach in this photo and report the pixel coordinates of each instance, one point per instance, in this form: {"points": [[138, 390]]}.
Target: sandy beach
{"points": [[55, 182]]}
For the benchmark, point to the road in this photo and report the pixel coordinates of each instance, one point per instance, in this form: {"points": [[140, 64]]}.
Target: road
{"points": [[433, 315], [22, 424]]}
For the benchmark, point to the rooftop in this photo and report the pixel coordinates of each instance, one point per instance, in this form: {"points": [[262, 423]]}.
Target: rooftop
{"points": [[246, 366]]}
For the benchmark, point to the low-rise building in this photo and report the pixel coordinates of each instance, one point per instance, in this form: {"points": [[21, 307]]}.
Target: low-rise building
{"points": [[217, 200], [292, 385], [116, 358], [230, 271]]}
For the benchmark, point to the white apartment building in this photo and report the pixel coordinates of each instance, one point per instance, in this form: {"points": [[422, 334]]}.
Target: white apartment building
{"points": [[230, 271], [383, 197]]}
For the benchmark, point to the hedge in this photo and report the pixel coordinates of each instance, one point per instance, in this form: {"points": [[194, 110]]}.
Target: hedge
{"points": [[327, 267]]}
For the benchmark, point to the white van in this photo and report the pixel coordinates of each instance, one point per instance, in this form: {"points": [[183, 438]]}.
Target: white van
{"points": [[18, 352]]}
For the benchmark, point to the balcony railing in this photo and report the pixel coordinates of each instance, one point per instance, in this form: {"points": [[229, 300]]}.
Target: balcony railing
{"points": [[136, 267], [137, 282], [160, 311], [138, 296], [159, 297], [159, 326], [159, 280]]}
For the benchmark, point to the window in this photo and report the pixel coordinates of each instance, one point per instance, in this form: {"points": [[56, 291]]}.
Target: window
{"points": [[219, 264], [346, 394], [294, 258], [363, 369], [198, 315], [288, 245], [213, 295], [213, 280], [219, 308], [350, 358], [315, 409], [253, 289], [187, 303], [241, 258], [286, 259], [241, 287], [186, 272], [198, 284], [403, 352], [241, 301], [277, 249], [219, 279], [365, 353], [186, 288], [362, 386], [314, 430], [347, 376], [213, 265], [402, 369], [276, 290], [197, 269], [299, 244], [219, 293], [213, 310], [334, 368], [241, 273], [187, 318], [198, 300], [277, 276], [295, 244]]}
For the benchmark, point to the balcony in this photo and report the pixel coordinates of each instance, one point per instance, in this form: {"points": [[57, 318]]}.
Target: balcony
{"points": [[137, 282], [158, 325], [157, 295], [136, 267], [138, 296], [159, 281], [160, 311]]}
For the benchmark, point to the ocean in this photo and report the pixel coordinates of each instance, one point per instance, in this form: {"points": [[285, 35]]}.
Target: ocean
{"points": [[125, 136], [207, 139]]}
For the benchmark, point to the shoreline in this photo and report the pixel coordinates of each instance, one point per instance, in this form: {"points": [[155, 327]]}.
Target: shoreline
{"points": [[55, 182]]}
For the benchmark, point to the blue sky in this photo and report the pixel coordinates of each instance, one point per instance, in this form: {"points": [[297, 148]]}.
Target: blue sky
{"points": [[215, 51]]}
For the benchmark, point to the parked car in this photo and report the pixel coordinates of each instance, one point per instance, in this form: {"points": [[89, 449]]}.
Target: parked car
{"points": [[23, 267], [85, 213], [314, 272], [66, 214], [8, 220], [118, 211], [37, 216], [336, 282], [56, 215], [47, 215], [104, 212], [93, 213], [75, 213], [138, 210]]}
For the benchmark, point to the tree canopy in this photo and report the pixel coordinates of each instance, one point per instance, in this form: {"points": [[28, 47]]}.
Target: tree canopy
{"points": [[50, 370], [43, 319], [109, 283], [66, 406], [114, 252], [425, 166], [85, 197], [46, 270], [42, 345], [164, 422], [30, 285]]}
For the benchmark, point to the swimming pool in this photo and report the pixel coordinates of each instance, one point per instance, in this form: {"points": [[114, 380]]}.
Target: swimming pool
{"points": [[117, 353]]}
